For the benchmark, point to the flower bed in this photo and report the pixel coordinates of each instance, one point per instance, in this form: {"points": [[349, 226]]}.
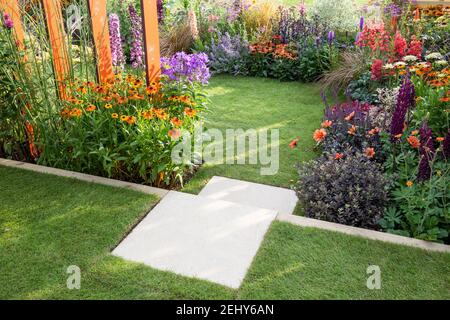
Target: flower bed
{"points": [[384, 162], [121, 128]]}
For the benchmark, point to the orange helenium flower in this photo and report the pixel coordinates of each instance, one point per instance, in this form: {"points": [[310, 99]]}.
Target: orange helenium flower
{"points": [[369, 152], [319, 135], [413, 141], [350, 116], [327, 124], [190, 112], [176, 122], [293, 143], [352, 130], [91, 108]]}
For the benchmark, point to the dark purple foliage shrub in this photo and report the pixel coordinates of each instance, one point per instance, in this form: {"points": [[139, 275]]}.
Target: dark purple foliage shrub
{"points": [[351, 191]]}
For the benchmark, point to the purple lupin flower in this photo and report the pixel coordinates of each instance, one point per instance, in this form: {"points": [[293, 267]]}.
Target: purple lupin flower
{"points": [[427, 151], [8, 23], [405, 101], [331, 36], [361, 23], [118, 58], [136, 51]]}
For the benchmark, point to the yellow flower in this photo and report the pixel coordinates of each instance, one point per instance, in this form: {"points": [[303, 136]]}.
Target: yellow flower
{"points": [[114, 116], [108, 106], [409, 184]]}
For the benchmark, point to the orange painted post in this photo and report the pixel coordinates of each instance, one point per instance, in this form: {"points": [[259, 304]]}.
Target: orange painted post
{"points": [[151, 39], [12, 8], [55, 29], [100, 32]]}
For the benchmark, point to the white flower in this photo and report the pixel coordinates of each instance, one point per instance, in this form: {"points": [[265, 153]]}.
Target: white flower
{"points": [[410, 58], [441, 62], [388, 66], [399, 64], [434, 56]]}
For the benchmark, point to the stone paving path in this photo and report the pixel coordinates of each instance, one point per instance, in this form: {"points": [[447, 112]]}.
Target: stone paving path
{"points": [[213, 236]]}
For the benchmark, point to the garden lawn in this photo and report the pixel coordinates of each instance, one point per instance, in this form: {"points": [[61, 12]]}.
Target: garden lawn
{"points": [[48, 223], [294, 108]]}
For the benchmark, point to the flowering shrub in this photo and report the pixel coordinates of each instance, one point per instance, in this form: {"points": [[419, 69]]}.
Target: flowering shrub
{"points": [[349, 130], [350, 190], [278, 60], [184, 67], [228, 54], [339, 15], [419, 198], [123, 129]]}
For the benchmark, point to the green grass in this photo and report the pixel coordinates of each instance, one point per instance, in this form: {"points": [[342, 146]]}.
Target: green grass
{"points": [[246, 103], [48, 223]]}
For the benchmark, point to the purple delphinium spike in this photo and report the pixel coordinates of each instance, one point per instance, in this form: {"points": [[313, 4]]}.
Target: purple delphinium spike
{"points": [[427, 151], [118, 58], [160, 7], [136, 51], [405, 101], [361, 24]]}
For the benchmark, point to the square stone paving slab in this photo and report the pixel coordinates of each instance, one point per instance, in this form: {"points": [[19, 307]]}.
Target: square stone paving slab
{"points": [[198, 237], [278, 199]]}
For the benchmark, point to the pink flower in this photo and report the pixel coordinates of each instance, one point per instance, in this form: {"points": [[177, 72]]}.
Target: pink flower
{"points": [[7, 21], [376, 70], [400, 45]]}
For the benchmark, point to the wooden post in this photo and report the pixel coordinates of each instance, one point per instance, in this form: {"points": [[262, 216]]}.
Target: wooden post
{"points": [[100, 32], [12, 8], [151, 39], [55, 29]]}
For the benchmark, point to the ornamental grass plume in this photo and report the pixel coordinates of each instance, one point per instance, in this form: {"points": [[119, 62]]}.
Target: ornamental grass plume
{"points": [[118, 58], [405, 101], [427, 152], [137, 53]]}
